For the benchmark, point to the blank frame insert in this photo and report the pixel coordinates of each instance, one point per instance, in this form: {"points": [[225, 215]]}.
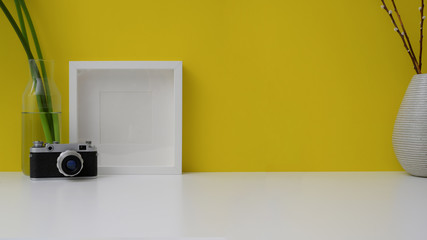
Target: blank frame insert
{"points": [[125, 117], [131, 111]]}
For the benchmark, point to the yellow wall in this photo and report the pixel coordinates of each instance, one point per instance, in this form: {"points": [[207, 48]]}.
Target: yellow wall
{"points": [[269, 85]]}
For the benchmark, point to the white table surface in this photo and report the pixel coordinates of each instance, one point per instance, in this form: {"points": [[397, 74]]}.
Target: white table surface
{"points": [[329, 205]]}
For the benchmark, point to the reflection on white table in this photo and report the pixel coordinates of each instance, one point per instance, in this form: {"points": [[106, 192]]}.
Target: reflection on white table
{"points": [[244, 206]]}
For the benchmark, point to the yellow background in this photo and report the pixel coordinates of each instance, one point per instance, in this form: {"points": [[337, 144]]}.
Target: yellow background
{"points": [[268, 85]]}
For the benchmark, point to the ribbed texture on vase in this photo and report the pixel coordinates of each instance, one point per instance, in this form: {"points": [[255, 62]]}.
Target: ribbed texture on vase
{"points": [[410, 128]]}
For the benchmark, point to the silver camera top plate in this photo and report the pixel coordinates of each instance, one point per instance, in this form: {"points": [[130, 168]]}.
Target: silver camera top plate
{"points": [[39, 147]]}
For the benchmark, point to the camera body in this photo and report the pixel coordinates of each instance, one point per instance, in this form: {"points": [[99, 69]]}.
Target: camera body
{"points": [[63, 160]]}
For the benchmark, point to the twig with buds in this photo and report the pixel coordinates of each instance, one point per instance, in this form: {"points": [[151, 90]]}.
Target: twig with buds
{"points": [[403, 35], [421, 32], [404, 31]]}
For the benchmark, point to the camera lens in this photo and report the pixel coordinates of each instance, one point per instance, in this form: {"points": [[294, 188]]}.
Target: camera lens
{"points": [[69, 163]]}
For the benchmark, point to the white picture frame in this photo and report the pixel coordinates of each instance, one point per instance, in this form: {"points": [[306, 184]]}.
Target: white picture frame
{"points": [[132, 113]]}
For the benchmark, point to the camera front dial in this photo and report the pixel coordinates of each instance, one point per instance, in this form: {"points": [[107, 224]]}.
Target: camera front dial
{"points": [[69, 163]]}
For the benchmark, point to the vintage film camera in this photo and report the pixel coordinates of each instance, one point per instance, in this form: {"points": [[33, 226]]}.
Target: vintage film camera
{"points": [[63, 160]]}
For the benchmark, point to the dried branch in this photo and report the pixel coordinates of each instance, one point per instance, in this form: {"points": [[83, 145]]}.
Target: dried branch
{"points": [[421, 33], [402, 34]]}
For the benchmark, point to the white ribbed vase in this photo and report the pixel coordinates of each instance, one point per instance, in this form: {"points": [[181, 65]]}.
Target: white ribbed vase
{"points": [[410, 128]]}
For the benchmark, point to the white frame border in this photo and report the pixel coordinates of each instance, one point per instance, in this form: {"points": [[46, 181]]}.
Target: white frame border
{"points": [[74, 66]]}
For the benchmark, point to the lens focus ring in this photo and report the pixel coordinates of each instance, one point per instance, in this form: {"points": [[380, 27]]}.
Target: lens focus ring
{"points": [[69, 163]]}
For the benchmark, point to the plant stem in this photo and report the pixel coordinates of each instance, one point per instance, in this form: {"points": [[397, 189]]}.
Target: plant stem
{"points": [[21, 20], [17, 30], [41, 101], [55, 120]]}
